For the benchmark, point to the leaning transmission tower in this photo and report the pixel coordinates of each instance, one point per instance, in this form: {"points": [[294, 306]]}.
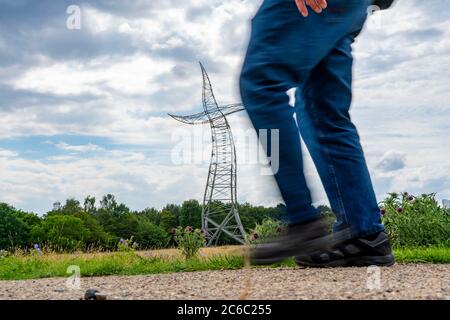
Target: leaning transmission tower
{"points": [[220, 212]]}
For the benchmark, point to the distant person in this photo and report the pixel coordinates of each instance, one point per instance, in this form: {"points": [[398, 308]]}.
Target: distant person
{"points": [[312, 51]]}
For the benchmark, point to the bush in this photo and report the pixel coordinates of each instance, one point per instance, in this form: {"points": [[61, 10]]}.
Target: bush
{"points": [[189, 240], [415, 221], [61, 233], [127, 245], [265, 231]]}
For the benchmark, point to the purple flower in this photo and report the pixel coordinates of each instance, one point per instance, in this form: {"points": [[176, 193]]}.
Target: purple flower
{"points": [[411, 198], [383, 211], [124, 242], [173, 230], [399, 210], [36, 247], [188, 229]]}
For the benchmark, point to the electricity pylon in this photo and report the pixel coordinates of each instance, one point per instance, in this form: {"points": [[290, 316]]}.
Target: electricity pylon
{"points": [[220, 212]]}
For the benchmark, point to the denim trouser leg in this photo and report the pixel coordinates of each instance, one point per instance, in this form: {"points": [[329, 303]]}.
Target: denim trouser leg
{"points": [[266, 102], [286, 51], [322, 107]]}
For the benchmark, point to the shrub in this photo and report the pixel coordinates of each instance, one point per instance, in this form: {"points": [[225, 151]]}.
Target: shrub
{"points": [[3, 254], [265, 231], [415, 221], [189, 240], [61, 233], [127, 245]]}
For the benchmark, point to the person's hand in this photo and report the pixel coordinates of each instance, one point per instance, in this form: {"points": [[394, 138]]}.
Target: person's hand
{"points": [[316, 5]]}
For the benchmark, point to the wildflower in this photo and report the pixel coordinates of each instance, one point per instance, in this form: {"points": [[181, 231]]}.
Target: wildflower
{"points": [[399, 210], [411, 199], [123, 242], [36, 247], [173, 230], [255, 236], [383, 211], [188, 229], [279, 229]]}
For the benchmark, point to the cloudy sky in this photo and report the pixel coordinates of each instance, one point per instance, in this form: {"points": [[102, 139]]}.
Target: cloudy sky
{"points": [[83, 111]]}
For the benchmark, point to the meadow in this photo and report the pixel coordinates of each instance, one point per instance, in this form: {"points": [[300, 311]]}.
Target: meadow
{"points": [[33, 266], [419, 230]]}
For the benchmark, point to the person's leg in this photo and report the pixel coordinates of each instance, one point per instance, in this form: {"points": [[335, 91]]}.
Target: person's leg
{"points": [[284, 47], [266, 76], [322, 108]]}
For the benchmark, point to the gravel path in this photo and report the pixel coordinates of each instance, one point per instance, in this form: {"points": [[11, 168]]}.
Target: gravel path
{"points": [[407, 281]]}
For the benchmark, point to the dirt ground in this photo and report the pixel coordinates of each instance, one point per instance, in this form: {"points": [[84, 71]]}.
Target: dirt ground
{"points": [[402, 281]]}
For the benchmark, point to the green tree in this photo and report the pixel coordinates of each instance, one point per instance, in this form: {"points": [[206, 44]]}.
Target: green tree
{"points": [[174, 209], [151, 236], [89, 205], [61, 233], [126, 226], [190, 214], [151, 214], [108, 203], [116, 219], [13, 231], [30, 220], [255, 215], [168, 220], [96, 237], [71, 207]]}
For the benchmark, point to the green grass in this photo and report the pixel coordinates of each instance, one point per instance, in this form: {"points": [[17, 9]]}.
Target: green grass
{"points": [[20, 267], [423, 255], [34, 266]]}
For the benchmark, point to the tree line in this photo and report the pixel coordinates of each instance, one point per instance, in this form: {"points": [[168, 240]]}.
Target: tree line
{"points": [[100, 226]]}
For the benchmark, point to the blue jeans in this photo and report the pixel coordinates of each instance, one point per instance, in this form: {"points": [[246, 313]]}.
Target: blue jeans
{"points": [[314, 55]]}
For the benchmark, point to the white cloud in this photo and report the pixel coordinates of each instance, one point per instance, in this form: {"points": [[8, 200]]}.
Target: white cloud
{"points": [[392, 161], [132, 75], [129, 175], [79, 148], [7, 153]]}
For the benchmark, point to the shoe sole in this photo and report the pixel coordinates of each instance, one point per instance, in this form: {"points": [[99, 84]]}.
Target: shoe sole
{"points": [[324, 242], [363, 261]]}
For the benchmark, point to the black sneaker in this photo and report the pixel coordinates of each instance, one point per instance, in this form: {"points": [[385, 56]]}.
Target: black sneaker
{"points": [[297, 240], [374, 250]]}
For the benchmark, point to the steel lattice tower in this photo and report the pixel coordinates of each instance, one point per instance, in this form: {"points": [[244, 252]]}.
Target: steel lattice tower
{"points": [[220, 212]]}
